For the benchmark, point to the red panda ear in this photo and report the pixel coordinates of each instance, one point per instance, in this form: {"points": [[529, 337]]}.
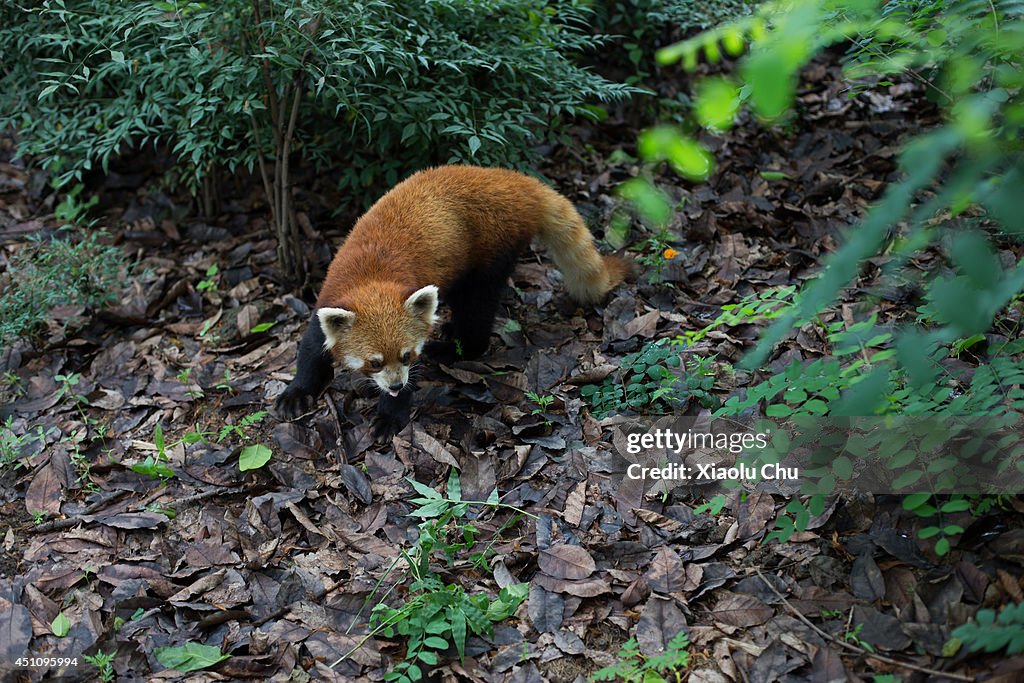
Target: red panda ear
{"points": [[335, 323], [422, 304]]}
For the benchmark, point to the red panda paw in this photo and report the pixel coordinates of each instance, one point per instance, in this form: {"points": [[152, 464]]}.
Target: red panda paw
{"points": [[387, 426], [293, 403]]}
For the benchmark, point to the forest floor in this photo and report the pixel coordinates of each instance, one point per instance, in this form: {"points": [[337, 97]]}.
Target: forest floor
{"points": [[279, 566]]}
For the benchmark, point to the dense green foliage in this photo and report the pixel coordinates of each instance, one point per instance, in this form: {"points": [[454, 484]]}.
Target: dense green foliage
{"points": [[375, 87], [643, 26], [633, 667], [956, 197], [971, 167], [61, 271], [652, 379], [994, 632], [435, 616]]}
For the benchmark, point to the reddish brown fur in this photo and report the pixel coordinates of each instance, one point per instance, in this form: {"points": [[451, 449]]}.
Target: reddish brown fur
{"points": [[454, 230], [442, 221]]}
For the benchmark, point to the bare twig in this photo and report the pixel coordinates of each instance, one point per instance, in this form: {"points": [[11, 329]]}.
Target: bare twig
{"points": [[68, 522], [854, 648], [267, 187], [288, 220]]}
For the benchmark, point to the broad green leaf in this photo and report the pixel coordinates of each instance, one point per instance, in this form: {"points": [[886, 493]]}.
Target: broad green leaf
{"points": [[915, 500], [652, 202], [771, 82], [189, 657], [686, 156], [842, 467], [60, 625], [254, 457], [423, 489], [908, 478], [454, 488], [717, 102]]}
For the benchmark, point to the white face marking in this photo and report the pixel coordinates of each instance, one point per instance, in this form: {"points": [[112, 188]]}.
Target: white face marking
{"points": [[353, 362], [419, 347], [392, 376]]}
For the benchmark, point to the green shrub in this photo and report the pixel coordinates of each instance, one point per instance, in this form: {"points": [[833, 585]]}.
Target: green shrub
{"points": [[383, 87], [434, 616], [374, 88], [633, 667], [970, 168], [56, 272], [642, 26], [652, 380], [972, 165], [989, 401], [993, 632]]}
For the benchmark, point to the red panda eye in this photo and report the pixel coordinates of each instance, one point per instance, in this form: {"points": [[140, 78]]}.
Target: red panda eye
{"points": [[376, 364], [406, 357]]}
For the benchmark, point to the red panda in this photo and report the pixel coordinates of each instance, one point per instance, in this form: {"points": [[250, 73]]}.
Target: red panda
{"points": [[453, 232]]}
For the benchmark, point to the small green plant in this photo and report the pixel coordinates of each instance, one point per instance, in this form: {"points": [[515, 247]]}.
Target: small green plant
{"points": [[13, 446], [655, 253], [993, 631], [103, 661], [155, 466], [70, 211], [83, 469], [185, 377], [652, 379], [252, 456], [965, 343], [210, 281], [13, 381], [634, 667], [241, 429], [713, 507], [766, 305], [853, 636], [56, 272], [204, 332], [928, 506], [67, 387], [542, 401], [436, 616], [225, 384]]}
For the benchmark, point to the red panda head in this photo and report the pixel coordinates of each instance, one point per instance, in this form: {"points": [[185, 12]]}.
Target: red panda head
{"points": [[382, 332]]}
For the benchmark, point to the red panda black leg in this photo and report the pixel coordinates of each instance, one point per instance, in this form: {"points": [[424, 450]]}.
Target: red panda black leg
{"points": [[474, 300], [314, 370], [393, 412]]}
